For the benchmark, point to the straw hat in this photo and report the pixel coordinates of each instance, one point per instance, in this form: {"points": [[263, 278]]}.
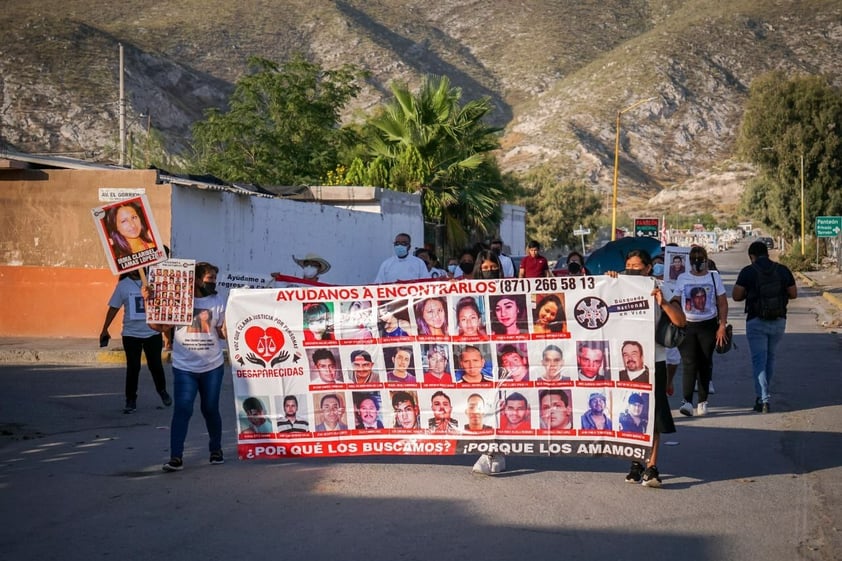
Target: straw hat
{"points": [[324, 266]]}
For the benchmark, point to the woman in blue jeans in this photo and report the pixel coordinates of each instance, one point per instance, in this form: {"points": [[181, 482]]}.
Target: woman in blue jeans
{"points": [[198, 367]]}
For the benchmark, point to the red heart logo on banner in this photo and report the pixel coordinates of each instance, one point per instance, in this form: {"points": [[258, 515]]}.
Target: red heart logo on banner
{"points": [[264, 342]]}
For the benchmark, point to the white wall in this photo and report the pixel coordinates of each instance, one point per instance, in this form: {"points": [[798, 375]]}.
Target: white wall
{"points": [[513, 228], [249, 234]]}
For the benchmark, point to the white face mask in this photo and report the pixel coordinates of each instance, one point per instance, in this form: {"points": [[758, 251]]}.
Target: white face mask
{"points": [[309, 271]]}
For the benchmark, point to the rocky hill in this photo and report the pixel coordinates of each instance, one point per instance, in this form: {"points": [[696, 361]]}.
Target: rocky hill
{"points": [[557, 72]]}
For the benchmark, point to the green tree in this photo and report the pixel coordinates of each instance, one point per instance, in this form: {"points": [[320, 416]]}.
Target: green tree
{"points": [[429, 142], [784, 120], [281, 126], [555, 207], [148, 149]]}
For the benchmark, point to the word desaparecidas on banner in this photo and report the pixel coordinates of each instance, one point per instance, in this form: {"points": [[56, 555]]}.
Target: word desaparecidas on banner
{"points": [[551, 366]]}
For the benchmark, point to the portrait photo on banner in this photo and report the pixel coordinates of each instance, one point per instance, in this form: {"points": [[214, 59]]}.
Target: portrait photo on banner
{"points": [[393, 319]]}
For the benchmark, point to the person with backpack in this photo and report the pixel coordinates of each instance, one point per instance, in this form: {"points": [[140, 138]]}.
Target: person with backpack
{"points": [[766, 287]]}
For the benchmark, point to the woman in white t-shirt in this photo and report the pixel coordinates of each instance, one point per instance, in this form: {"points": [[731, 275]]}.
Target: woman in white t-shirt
{"points": [[198, 367], [705, 304], [138, 339]]}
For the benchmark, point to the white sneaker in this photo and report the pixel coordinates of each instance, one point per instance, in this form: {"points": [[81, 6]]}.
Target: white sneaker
{"points": [[686, 409], [702, 408], [498, 463], [710, 387], [482, 465]]}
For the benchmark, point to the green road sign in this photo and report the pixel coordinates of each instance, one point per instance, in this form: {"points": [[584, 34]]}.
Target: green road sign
{"points": [[828, 226]]}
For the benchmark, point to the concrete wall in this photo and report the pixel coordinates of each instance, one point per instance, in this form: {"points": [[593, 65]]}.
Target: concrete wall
{"points": [[55, 281], [513, 228], [54, 278], [246, 234]]}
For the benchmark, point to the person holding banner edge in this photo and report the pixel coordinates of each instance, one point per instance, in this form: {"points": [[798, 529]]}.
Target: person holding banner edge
{"points": [[638, 262], [487, 266]]}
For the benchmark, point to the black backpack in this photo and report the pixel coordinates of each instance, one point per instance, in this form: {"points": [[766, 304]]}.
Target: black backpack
{"points": [[771, 298]]}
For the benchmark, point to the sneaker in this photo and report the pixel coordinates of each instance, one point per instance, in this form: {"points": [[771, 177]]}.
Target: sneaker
{"points": [[498, 463], [175, 464], [651, 477], [217, 457], [764, 408], [482, 465], [758, 405], [710, 387], [686, 409], [131, 406], [165, 398], [702, 408], [635, 473]]}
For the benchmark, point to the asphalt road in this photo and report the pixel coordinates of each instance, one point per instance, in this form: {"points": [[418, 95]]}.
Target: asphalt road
{"points": [[81, 481]]}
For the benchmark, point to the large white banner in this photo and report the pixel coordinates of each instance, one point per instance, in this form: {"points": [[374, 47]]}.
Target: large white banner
{"points": [[549, 366]]}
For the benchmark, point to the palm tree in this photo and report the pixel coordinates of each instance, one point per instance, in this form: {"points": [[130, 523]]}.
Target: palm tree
{"points": [[427, 142]]}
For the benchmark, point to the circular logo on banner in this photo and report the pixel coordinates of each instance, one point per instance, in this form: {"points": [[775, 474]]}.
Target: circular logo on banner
{"points": [[591, 312], [266, 345]]}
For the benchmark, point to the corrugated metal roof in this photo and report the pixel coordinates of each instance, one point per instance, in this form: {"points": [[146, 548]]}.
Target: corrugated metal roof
{"points": [[57, 162]]}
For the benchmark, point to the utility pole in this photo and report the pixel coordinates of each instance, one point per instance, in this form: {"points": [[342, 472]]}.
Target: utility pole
{"points": [[617, 163], [122, 112], [803, 237]]}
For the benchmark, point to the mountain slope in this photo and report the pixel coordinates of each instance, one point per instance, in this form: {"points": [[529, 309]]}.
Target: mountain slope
{"points": [[557, 72]]}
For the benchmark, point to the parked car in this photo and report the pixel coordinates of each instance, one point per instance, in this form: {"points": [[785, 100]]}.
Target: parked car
{"points": [[770, 243]]}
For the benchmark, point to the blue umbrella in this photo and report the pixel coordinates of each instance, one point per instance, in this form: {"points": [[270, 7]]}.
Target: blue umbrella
{"points": [[612, 256]]}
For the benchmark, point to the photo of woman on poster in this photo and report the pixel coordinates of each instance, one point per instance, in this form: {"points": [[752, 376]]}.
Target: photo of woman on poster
{"points": [[128, 230], [548, 316], [509, 314], [431, 316], [318, 321]]}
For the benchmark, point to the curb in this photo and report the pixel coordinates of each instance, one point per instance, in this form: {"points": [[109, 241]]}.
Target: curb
{"points": [[829, 296], [805, 279], [833, 299], [82, 358], [28, 356]]}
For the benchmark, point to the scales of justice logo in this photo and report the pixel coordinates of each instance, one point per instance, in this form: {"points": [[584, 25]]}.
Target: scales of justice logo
{"points": [[266, 346]]}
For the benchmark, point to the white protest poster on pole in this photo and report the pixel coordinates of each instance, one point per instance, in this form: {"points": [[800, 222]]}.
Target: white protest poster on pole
{"points": [[676, 261], [226, 280], [129, 234]]}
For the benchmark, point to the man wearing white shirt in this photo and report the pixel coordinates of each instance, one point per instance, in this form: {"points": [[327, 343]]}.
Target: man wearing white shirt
{"points": [[401, 266], [506, 263]]}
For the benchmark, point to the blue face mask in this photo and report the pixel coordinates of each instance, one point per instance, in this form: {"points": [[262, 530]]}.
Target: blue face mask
{"points": [[452, 269], [658, 269], [401, 251]]}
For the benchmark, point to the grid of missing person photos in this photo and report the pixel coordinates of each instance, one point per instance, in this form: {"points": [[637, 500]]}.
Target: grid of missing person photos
{"points": [[469, 365]]}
